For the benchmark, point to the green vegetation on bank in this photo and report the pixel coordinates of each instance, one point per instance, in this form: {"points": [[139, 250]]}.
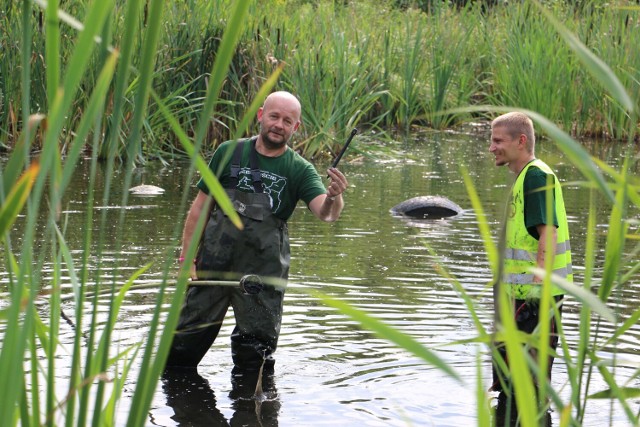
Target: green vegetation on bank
{"points": [[385, 65]]}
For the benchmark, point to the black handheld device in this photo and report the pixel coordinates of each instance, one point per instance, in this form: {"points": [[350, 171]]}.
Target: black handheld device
{"points": [[351, 135]]}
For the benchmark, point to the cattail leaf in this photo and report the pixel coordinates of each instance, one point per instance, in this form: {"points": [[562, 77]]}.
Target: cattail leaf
{"points": [[16, 199], [584, 296], [626, 392], [596, 67]]}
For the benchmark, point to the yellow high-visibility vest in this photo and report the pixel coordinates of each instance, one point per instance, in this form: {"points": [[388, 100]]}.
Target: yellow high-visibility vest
{"points": [[521, 248]]}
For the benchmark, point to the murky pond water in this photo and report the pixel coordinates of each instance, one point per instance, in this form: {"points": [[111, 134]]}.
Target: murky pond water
{"points": [[328, 370]]}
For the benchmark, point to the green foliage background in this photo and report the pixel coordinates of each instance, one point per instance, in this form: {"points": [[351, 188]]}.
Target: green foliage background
{"points": [[384, 65]]}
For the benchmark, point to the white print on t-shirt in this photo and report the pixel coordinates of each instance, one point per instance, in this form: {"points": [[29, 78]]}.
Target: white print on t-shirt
{"points": [[273, 185]]}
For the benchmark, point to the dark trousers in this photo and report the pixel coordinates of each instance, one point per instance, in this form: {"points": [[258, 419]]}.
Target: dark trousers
{"points": [[254, 339], [527, 318]]}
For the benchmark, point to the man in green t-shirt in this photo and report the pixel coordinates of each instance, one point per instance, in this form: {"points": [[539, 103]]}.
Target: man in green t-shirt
{"points": [[536, 234], [264, 179]]}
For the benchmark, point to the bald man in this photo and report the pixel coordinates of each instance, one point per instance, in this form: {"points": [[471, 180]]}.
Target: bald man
{"points": [[265, 179]]}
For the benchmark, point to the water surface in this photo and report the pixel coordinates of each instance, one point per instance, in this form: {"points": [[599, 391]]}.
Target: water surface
{"points": [[328, 370]]}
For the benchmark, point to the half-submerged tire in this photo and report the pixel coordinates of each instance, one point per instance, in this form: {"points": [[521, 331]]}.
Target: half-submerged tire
{"points": [[427, 207]]}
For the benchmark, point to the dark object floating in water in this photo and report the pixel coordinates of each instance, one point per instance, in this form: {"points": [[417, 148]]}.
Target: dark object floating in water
{"points": [[427, 207]]}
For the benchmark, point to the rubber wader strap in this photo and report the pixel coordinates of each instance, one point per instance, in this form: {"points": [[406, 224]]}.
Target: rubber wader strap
{"points": [[235, 164], [256, 176]]}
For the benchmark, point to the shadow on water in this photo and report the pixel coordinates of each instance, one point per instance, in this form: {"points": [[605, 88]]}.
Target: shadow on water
{"points": [[194, 403]]}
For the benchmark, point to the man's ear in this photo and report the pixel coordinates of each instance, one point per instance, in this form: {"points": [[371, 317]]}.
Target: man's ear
{"points": [[260, 113], [522, 140]]}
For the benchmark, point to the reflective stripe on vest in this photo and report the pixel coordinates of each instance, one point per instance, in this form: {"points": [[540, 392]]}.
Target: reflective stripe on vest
{"points": [[524, 279], [521, 248], [524, 255]]}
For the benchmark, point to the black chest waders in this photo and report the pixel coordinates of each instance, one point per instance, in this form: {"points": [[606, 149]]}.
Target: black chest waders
{"points": [[261, 248]]}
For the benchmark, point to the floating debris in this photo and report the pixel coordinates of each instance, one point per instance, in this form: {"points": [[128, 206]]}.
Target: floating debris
{"points": [[146, 190], [427, 207]]}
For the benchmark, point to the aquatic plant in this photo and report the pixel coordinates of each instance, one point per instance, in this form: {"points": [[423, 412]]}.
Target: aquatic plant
{"points": [[31, 320]]}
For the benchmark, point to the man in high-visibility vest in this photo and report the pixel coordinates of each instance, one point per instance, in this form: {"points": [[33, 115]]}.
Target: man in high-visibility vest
{"points": [[535, 232]]}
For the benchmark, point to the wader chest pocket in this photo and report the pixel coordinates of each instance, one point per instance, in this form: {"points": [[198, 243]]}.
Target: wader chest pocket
{"points": [[249, 210]]}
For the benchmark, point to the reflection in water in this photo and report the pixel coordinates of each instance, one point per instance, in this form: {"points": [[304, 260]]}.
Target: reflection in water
{"points": [[194, 402], [191, 398], [506, 414], [436, 224], [265, 407]]}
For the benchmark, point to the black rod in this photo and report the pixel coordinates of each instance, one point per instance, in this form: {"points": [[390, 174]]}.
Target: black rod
{"points": [[351, 135]]}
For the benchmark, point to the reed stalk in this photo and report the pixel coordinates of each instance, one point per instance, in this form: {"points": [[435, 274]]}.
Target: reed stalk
{"points": [[98, 368]]}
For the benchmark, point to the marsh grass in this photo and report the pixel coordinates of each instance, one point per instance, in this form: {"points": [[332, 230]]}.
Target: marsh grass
{"points": [[353, 64], [534, 58]]}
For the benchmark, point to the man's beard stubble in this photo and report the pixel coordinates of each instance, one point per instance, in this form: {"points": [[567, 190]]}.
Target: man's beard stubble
{"points": [[270, 143]]}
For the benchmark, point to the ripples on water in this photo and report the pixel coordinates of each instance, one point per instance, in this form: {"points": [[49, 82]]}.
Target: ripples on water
{"points": [[328, 370]]}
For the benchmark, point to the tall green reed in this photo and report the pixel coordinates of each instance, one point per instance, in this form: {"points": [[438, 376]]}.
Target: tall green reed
{"points": [[407, 85], [611, 35], [96, 373], [332, 74], [529, 64], [451, 77]]}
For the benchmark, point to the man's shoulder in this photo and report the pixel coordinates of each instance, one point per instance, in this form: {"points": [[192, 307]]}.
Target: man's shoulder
{"points": [[536, 178], [226, 145], [224, 148], [296, 159], [534, 171]]}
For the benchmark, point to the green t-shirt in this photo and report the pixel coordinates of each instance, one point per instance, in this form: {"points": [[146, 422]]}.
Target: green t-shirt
{"points": [[286, 178], [535, 201]]}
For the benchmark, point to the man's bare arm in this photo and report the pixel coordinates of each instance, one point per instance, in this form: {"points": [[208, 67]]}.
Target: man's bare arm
{"points": [[202, 204], [328, 207], [544, 250]]}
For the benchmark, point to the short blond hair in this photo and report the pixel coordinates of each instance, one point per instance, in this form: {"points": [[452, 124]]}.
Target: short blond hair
{"points": [[517, 124]]}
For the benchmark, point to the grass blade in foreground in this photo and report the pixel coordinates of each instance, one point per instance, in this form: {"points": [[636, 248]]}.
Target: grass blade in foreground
{"points": [[148, 52], [385, 331], [518, 370], [484, 414], [154, 358], [16, 199]]}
